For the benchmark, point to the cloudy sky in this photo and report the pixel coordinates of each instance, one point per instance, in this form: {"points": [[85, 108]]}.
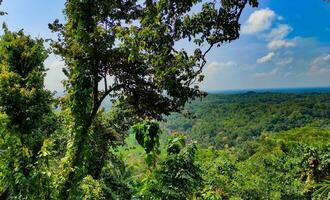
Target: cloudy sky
{"points": [[283, 44]]}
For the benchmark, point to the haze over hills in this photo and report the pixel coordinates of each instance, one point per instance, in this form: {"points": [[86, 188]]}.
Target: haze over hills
{"points": [[275, 90]]}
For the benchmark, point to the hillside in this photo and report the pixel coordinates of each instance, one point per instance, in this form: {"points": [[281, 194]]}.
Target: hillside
{"points": [[287, 165], [221, 119], [284, 161]]}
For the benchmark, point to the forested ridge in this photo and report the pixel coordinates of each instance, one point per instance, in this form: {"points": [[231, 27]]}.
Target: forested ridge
{"points": [[245, 146], [232, 119], [286, 158]]}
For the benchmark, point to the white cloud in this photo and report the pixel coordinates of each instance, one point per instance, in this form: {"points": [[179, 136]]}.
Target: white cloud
{"points": [[221, 75], [279, 44], [267, 74], [325, 70], [326, 58], [285, 61], [280, 32], [266, 58], [219, 66], [259, 21], [276, 37], [320, 64]]}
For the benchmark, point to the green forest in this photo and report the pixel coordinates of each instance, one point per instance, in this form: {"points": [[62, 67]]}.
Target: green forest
{"points": [[162, 137], [249, 146]]}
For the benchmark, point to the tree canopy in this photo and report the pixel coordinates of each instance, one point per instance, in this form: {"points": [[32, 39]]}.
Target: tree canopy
{"points": [[128, 50], [26, 112]]}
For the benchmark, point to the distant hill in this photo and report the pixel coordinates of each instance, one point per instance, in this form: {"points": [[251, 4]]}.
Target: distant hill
{"points": [[231, 119], [275, 90]]}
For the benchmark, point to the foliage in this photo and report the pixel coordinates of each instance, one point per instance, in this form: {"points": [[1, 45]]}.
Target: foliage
{"points": [[278, 165], [147, 135], [253, 146], [221, 120], [323, 190], [278, 168], [27, 120], [88, 189], [23, 97], [134, 43], [177, 176]]}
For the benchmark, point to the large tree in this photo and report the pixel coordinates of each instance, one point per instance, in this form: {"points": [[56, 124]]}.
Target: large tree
{"points": [[128, 49], [25, 110]]}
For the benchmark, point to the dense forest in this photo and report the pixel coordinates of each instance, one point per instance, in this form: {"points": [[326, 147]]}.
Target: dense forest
{"points": [[244, 146], [221, 120], [250, 146]]}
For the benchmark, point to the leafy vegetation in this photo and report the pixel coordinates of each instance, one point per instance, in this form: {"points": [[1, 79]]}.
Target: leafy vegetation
{"points": [[270, 167], [231, 120], [134, 44], [293, 163], [249, 146], [27, 118]]}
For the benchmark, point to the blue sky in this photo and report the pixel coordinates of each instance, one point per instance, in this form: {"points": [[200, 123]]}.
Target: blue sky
{"points": [[283, 43]]}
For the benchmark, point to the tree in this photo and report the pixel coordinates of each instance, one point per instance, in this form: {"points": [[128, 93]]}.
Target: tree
{"points": [[26, 109], [129, 47], [1, 12], [178, 176]]}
